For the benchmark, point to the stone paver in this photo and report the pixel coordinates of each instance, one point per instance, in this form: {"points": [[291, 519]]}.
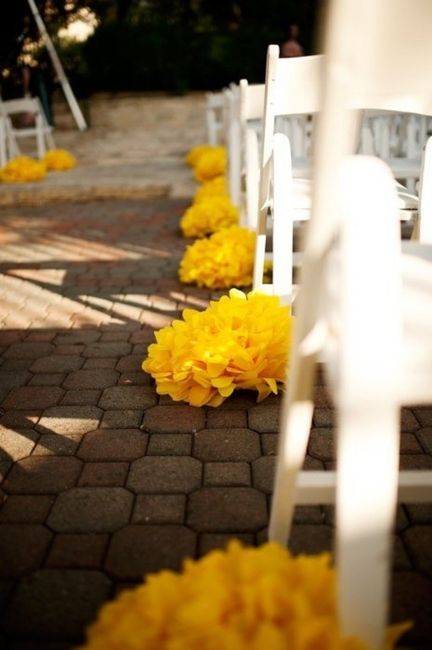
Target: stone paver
{"points": [[96, 509], [174, 419], [97, 378], [165, 474], [127, 397], [264, 418], [57, 363], [170, 444], [122, 418], [56, 604], [84, 551], [104, 475], [226, 445], [70, 419], [26, 509], [263, 473], [137, 550], [22, 548], [235, 509], [17, 444], [53, 444], [159, 509], [43, 475], [235, 474], [113, 444], [419, 542], [25, 397]]}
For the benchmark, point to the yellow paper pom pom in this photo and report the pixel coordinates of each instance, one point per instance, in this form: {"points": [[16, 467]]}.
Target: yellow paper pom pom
{"points": [[222, 261], [238, 342], [237, 599], [211, 164], [59, 160], [195, 153], [23, 170], [216, 187], [208, 216]]}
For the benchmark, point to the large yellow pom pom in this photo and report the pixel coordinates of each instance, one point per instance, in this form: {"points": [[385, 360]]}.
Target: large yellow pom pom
{"points": [[208, 216], [238, 599], [222, 261], [23, 170], [59, 160], [238, 342], [211, 164]]}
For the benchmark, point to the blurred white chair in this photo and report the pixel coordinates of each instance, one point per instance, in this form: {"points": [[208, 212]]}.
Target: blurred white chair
{"points": [[251, 115], [214, 118], [232, 140], [293, 86], [41, 130], [364, 307]]}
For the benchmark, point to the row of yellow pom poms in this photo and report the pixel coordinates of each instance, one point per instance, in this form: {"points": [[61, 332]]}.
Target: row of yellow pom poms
{"points": [[26, 170], [238, 599], [212, 209]]}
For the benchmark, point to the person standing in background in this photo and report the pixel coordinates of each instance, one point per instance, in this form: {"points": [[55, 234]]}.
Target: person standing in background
{"points": [[291, 47]]}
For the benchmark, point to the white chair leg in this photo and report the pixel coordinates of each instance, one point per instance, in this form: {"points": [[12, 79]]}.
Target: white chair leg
{"points": [[252, 178], [3, 158], [40, 137], [367, 396], [283, 219], [367, 457], [234, 162], [296, 419]]}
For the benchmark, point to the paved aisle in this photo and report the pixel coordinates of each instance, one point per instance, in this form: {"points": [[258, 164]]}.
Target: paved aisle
{"points": [[103, 480]]}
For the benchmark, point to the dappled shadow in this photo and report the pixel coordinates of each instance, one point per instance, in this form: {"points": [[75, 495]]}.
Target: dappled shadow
{"points": [[113, 264]]}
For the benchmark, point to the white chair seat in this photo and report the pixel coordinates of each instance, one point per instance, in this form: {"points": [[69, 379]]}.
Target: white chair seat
{"points": [[416, 275], [407, 202]]}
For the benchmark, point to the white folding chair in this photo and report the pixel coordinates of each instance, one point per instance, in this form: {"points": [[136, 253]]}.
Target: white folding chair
{"points": [[41, 130], [296, 127], [364, 307], [251, 114], [214, 118], [232, 139], [293, 86]]}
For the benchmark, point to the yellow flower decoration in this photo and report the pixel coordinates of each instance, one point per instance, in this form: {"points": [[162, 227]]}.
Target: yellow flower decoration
{"points": [[58, 160], [224, 260], [208, 216], [239, 342], [238, 599], [215, 187], [211, 164], [194, 154], [23, 169]]}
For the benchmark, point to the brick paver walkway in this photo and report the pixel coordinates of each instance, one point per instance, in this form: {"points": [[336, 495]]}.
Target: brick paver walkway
{"points": [[102, 480]]}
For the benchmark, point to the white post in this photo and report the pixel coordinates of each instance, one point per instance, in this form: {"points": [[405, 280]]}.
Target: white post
{"points": [[70, 97]]}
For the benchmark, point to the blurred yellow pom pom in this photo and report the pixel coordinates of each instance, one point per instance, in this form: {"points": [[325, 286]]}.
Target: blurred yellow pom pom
{"points": [[194, 154], [237, 599], [211, 164], [58, 160], [207, 216], [215, 187], [23, 169], [222, 261], [239, 342]]}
